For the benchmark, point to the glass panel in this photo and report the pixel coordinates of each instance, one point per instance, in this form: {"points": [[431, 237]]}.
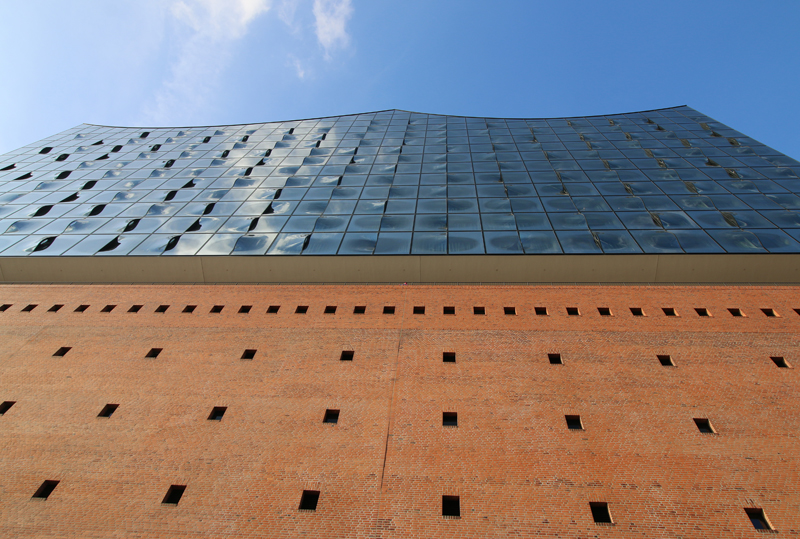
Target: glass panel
{"points": [[502, 243], [465, 243], [393, 243], [539, 242], [432, 243], [578, 242]]}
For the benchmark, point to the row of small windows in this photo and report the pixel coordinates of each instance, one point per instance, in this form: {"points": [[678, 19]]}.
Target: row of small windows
{"points": [[451, 505], [390, 309]]}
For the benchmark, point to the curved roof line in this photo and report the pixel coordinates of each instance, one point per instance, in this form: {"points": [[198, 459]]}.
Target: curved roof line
{"points": [[376, 112]]}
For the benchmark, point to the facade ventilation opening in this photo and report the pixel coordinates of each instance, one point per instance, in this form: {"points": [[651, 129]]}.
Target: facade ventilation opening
{"points": [[555, 359], [172, 243], [347, 355], [769, 313], [419, 309], [72, 198], [451, 506], [757, 518], [448, 357], [669, 311], [189, 185], [81, 308], [145, 134], [574, 422], [25, 176], [62, 157], [665, 360], [248, 171], [9, 167], [169, 163], [701, 311], [46, 489], [88, 185], [330, 309], [135, 308], [97, 210], [194, 227], [573, 311], [449, 419], [735, 312], [61, 352], [600, 513], [245, 309], [604, 311], [103, 157], [55, 308], [637, 311], [108, 410], [44, 210], [510, 311], [250, 353], [108, 308], [216, 309], [5, 306], [206, 140], [174, 494], [540, 311], [273, 309], [155, 147], [301, 309], [209, 208], [360, 309], [46, 150], [153, 353], [780, 362], [44, 244], [309, 500], [170, 196], [479, 310], [131, 225], [29, 308], [217, 412], [225, 154], [116, 148], [331, 416], [448, 310], [162, 308], [6, 406], [64, 175], [704, 425]]}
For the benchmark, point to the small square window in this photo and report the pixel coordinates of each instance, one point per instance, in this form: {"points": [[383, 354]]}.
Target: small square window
{"points": [[347, 355], [600, 513], [54, 309], [273, 309], [780, 362], [735, 312], [665, 360], [555, 359], [769, 313], [669, 311], [108, 410], [162, 308], [637, 311], [511, 311], [604, 311], [449, 419], [135, 308], [419, 309], [573, 311], [540, 311], [359, 309], [217, 412], [448, 310], [5, 306], [46, 489], [61, 352], [309, 500], [448, 357], [479, 310], [330, 309], [245, 309], [451, 506], [153, 353], [250, 353], [701, 311], [301, 309], [704, 425], [574, 422], [81, 308], [30, 307], [757, 518], [174, 494], [331, 416], [216, 309], [189, 309], [6, 406], [388, 309]]}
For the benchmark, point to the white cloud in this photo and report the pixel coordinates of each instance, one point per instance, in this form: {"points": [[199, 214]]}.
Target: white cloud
{"points": [[330, 21], [298, 66]]}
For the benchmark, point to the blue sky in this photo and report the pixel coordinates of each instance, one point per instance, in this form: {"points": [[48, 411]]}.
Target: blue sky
{"points": [[208, 62]]}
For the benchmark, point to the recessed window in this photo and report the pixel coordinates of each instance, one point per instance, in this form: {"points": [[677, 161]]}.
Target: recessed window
{"points": [[162, 308], [29, 308], [216, 309], [666, 360], [511, 311], [448, 310], [245, 309], [419, 309], [174, 494], [637, 311], [273, 309], [669, 311], [757, 518], [359, 309], [108, 410], [217, 412], [347, 355], [701, 311], [331, 416], [330, 309], [61, 352], [449, 419], [108, 308], [540, 311], [301, 309], [6, 406], [135, 308], [604, 311], [796, 311], [769, 312], [735, 312], [555, 359], [388, 309], [600, 513], [573, 311], [479, 310], [250, 353], [46, 489], [153, 353], [5, 306], [780, 362], [704, 425], [189, 309], [448, 357], [574, 422], [54, 309], [309, 500], [451, 506], [81, 308]]}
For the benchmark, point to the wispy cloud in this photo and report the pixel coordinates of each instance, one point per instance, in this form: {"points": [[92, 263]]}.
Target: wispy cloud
{"points": [[330, 22]]}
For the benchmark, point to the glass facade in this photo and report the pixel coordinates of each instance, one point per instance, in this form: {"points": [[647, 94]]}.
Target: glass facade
{"points": [[396, 182]]}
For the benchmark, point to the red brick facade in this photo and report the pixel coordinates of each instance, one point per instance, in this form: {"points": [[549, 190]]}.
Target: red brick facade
{"points": [[383, 468]]}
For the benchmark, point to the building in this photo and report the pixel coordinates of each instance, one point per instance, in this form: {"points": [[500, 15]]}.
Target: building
{"points": [[401, 325]]}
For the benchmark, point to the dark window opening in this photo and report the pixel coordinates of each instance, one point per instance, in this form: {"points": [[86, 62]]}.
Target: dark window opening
{"points": [[9, 167], [301, 309], [600, 512], [116, 148], [30, 307], [217, 412], [665, 360], [604, 311], [359, 309], [701, 311], [331, 416], [135, 308], [61, 352], [780, 362], [273, 309], [479, 310], [46, 489], [449, 419], [347, 355], [451, 506], [174, 494], [448, 310], [189, 309], [108, 410], [704, 425], [420, 309], [388, 309], [769, 312], [448, 357], [245, 309], [573, 311], [669, 311], [5, 306], [64, 175], [758, 518], [6, 406], [206, 140], [46, 150], [637, 311], [309, 500], [55, 308], [216, 309], [330, 309], [155, 147], [153, 353], [796, 311], [555, 359], [62, 157], [511, 311], [162, 308], [108, 308], [144, 134], [540, 311], [249, 353], [574, 422], [81, 308], [735, 312]]}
